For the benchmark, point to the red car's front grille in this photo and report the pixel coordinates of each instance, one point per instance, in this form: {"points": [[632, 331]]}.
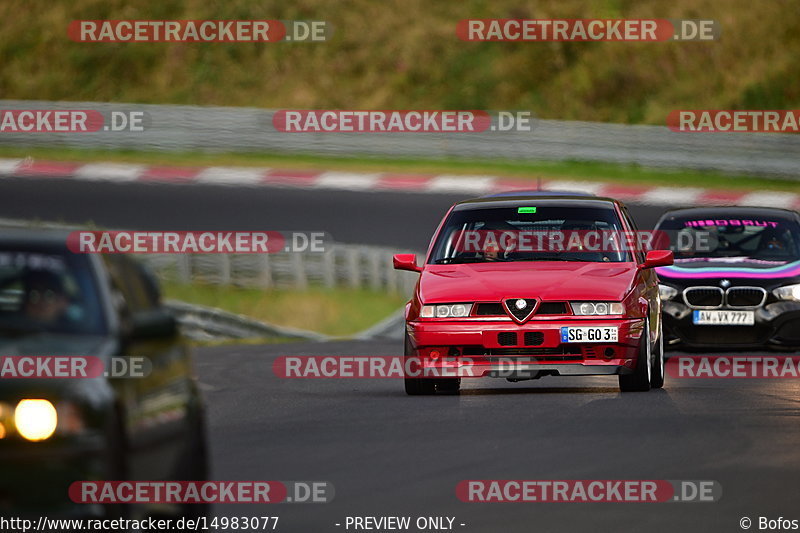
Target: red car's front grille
{"points": [[507, 338], [558, 354], [545, 308], [489, 310], [533, 338], [553, 308], [521, 352], [534, 359], [530, 338]]}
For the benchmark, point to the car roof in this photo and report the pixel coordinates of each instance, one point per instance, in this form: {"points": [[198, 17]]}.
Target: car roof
{"points": [[720, 211], [549, 200], [34, 237], [538, 193]]}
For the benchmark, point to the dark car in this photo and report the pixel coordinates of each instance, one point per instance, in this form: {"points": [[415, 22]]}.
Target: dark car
{"points": [[54, 431], [736, 278]]}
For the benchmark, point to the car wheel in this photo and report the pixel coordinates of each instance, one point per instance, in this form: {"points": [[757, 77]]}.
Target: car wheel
{"points": [[417, 386], [197, 464], [116, 461], [657, 372], [448, 385], [639, 381]]}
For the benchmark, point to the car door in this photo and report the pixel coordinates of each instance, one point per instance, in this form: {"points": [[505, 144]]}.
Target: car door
{"points": [[646, 277], [160, 407]]}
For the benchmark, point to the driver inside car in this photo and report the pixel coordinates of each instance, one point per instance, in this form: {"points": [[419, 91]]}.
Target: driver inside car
{"points": [[45, 298], [773, 241]]}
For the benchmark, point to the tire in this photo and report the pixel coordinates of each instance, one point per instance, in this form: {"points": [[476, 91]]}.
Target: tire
{"points": [[417, 386], [116, 459], [639, 381], [448, 385], [197, 464], [657, 372]]}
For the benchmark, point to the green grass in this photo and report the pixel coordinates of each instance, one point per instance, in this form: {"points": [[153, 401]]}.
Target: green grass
{"points": [[533, 170], [404, 54], [336, 312]]}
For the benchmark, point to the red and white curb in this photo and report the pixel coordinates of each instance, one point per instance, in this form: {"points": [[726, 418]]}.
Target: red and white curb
{"points": [[386, 181]]}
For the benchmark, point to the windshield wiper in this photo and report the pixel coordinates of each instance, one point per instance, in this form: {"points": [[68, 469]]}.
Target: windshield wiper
{"points": [[557, 258], [458, 260]]}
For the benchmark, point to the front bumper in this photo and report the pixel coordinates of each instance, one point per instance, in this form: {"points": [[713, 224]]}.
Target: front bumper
{"points": [[477, 348], [777, 325], [36, 476]]}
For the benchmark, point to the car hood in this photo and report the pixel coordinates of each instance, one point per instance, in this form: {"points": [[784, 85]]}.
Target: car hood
{"points": [[729, 267], [54, 344], [546, 280], [86, 390]]}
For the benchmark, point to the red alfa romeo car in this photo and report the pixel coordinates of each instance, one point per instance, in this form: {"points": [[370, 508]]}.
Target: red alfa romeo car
{"points": [[491, 300]]}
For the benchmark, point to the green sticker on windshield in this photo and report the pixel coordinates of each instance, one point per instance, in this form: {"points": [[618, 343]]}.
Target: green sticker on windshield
{"points": [[526, 210]]}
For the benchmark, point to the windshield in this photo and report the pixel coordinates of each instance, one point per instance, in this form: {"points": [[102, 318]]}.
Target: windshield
{"points": [[530, 233], [46, 292], [733, 237]]}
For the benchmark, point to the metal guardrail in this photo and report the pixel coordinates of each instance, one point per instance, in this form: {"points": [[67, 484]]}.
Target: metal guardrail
{"points": [[201, 323], [341, 265], [215, 129], [208, 324], [392, 327]]}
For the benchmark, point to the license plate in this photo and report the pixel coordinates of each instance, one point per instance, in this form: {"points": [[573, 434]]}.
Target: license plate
{"points": [[724, 318], [589, 334]]}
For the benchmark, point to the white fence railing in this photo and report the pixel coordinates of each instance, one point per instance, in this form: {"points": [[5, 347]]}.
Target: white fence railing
{"points": [[229, 129], [341, 265]]}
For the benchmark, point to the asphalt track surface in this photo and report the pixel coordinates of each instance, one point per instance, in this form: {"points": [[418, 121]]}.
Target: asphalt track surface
{"points": [[403, 219], [392, 455], [389, 454]]}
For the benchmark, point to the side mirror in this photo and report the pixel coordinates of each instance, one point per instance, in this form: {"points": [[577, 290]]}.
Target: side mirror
{"points": [[156, 324], [658, 258], [406, 262]]}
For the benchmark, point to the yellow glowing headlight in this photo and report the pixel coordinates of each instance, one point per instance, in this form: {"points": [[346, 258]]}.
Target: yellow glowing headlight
{"points": [[35, 419]]}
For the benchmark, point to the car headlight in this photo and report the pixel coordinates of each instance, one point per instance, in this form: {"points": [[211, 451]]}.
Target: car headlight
{"points": [[788, 292], [597, 308], [666, 292], [446, 311], [38, 419], [5, 419], [35, 419]]}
